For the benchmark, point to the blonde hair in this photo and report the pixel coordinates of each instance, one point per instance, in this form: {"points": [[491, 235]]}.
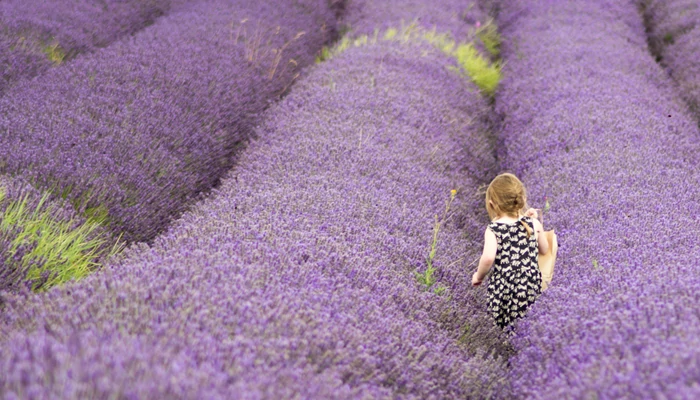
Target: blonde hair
{"points": [[506, 195]]}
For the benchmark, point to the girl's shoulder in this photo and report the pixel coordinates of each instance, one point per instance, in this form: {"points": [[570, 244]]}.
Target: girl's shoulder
{"points": [[533, 222], [499, 227], [508, 222]]}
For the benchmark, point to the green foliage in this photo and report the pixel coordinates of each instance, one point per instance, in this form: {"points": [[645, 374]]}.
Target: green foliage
{"points": [[98, 214], [484, 74], [258, 48], [324, 55], [490, 38], [596, 266], [442, 41], [668, 38], [479, 68], [426, 278], [466, 331], [55, 249], [55, 53], [546, 208], [361, 41]]}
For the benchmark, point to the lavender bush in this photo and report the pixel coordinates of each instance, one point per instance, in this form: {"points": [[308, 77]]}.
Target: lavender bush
{"points": [[594, 124], [135, 131], [296, 277], [36, 34], [456, 17], [674, 37]]}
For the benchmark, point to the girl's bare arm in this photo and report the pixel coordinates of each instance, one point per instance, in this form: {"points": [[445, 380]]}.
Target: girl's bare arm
{"points": [[542, 244], [487, 257]]}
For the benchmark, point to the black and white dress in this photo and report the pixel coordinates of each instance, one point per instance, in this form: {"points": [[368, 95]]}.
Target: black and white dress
{"points": [[516, 281]]}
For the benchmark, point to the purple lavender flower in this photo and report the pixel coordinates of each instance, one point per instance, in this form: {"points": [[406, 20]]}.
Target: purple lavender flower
{"points": [[458, 18], [295, 278], [674, 37], [139, 129], [34, 35], [593, 122]]}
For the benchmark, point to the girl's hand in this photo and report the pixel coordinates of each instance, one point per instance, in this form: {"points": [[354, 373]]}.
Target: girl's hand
{"points": [[532, 213], [476, 281]]}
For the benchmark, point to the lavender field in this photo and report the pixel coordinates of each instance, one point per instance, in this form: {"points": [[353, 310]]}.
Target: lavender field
{"points": [[284, 199], [36, 35]]}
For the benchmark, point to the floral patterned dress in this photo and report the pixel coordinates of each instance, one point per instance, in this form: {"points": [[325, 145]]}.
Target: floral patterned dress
{"points": [[516, 281]]}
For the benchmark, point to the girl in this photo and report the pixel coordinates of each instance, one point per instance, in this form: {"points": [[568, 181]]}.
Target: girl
{"points": [[512, 240]]}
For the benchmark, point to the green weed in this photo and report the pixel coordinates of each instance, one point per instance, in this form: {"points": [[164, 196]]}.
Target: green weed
{"points": [[390, 33], [668, 38], [479, 68], [490, 38], [466, 333], [427, 278], [259, 49], [324, 55], [546, 208], [484, 74], [59, 250], [55, 53]]}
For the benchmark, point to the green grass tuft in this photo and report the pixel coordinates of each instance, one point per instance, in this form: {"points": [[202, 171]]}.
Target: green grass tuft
{"points": [[490, 38], [324, 55], [480, 69], [427, 278], [55, 53], [484, 74], [57, 251]]}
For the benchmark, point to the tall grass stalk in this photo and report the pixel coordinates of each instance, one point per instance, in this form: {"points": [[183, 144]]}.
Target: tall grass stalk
{"points": [[427, 278]]}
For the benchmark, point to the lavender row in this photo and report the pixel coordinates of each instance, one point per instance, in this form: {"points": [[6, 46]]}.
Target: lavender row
{"points": [[674, 36], [137, 130], [296, 278], [456, 17], [36, 35], [594, 124]]}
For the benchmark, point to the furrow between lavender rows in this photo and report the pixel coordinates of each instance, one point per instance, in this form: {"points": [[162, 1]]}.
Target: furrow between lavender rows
{"points": [[134, 132], [34, 36], [297, 276], [455, 17], [674, 37], [595, 125]]}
